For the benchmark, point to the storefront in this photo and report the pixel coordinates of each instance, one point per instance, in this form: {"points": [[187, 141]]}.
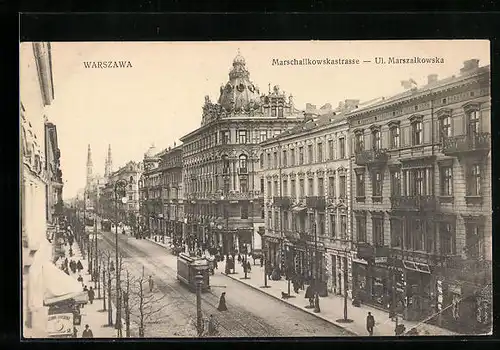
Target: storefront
{"points": [[244, 239], [419, 291], [273, 250]]}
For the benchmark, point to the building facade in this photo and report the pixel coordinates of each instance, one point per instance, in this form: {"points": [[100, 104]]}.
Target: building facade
{"points": [[172, 194], [221, 163], [150, 194], [40, 182], [422, 200], [305, 179]]}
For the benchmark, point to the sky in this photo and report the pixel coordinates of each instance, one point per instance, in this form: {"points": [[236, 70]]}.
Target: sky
{"points": [[160, 98]]}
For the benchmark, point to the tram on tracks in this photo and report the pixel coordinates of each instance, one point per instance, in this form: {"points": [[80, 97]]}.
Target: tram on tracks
{"points": [[188, 267]]}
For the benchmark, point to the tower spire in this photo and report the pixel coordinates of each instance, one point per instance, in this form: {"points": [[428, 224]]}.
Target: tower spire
{"points": [[89, 165], [108, 168]]}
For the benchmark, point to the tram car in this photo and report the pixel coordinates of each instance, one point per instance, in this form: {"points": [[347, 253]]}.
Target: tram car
{"points": [[188, 267], [106, 225]]}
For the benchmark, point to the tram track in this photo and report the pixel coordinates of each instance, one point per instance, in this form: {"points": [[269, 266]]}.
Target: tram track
{"points": [[235, 322]]}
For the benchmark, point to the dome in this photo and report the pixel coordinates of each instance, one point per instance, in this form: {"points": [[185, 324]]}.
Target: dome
{"points": [[151, 153], [239, 93]]}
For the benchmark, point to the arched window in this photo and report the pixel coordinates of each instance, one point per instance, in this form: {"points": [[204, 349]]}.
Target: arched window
{"points": [[243, 164], [131, 179], [225, 164]]}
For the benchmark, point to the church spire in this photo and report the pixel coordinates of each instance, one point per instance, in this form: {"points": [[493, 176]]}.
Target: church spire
{"points": [[108, 167], [89, 165]]}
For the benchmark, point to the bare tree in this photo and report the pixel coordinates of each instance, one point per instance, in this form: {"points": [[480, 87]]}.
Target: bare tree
{"points": [[103, 275], [143, 305], [126, 305], [110, 306]]}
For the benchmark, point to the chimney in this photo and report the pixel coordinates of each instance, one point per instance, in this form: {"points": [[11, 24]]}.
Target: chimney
{"points": [[432, 78], [470, 65], [351, 104]]}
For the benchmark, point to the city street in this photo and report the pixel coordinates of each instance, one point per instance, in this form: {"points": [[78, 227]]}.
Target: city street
{"points": [[250, 313]]}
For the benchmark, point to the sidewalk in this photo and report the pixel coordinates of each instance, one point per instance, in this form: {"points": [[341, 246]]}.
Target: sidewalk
{"points": [[332, 307], [93, 314]]}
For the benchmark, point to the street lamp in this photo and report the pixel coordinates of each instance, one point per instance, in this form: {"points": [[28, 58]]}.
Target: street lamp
{"points": [[199, 318], [316, 279], [119, 188]]}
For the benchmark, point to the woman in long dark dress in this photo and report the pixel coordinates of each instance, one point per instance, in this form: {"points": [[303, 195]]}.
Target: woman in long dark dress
{"points": [[222, 302]]}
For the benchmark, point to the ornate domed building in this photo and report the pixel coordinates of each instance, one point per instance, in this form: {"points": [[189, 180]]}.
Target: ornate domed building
{"points": [[221, 160]]}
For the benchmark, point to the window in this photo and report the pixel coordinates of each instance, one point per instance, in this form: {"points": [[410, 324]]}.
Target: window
{"points": [[276, 165], [360, 185], [225, 137], [280, 112], [276, 220], [276, 188], [285, 160], [243, 186], [445, 128], [446, 181], [301, 188], [131, 179], [361, 229], [263, 135], [292, 156], [333, 224], [273, 112], [446, 238], [310, 154], [419, 182], [474, 241], [396, 233], [262, 214], [417, 132], [269, 189], [301, 155], [261, 185], [331, 186], [358, 142], [310, 189], [243, 164], [342, 148], [285, 187], [285, 221], [320, 152], [378, 231], [270, 219], [269, 163], [377, 140], [242, 136], [330, 149], [225, 164], [377, 184], [129, 197], [474, 181], [321, 186], [342, 186], [343, 226], [244, 211], [395, 137], [262, 160], [312, 222], [396, 183], [474, 127], [293, 190], [418, 237]]}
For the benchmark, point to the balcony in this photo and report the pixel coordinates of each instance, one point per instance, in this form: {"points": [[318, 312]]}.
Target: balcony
{"points": [[467, 144], [283, 201], [414, 203], [368, 252], [371, 157], [316, 202]]}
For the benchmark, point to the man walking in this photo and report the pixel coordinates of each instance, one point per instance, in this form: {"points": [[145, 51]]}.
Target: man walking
{"points": [[91, 294], [370, 322], [151, 284], [87, 332]]}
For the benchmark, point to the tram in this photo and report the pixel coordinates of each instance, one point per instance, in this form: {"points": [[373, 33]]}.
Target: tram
{"points": [[106, 225], [188, 267]]}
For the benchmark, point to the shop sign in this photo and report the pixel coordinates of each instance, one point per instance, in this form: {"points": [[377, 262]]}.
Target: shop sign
{"points": [[60, 324], [381, 260], [415, 266], [359, 261]]}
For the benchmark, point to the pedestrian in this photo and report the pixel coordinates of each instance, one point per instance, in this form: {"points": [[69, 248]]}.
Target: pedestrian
{"points": [[262, 262], [215, 263], [212, 330], [222, 302], [249, 266], [85, 289], [75, 332], [79, 266], [80, 279], [91, 294], [151, 284], [239, 257], [370, 323], [87, 332]]}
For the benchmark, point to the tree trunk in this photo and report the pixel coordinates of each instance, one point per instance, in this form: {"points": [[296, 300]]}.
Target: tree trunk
{"points": [[127, 309], [110, 307], [104, 289], [141, 306]]}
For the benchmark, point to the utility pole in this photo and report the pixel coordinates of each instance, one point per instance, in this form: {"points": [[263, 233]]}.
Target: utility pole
{"points": [[199, 317], [316, 279]]}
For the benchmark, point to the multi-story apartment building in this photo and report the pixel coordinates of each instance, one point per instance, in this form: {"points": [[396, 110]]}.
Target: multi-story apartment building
{"points": [[128, 212], [220, 162], [305, 178], [150, 194], [173, 201], [422, 200], [40, 184]]}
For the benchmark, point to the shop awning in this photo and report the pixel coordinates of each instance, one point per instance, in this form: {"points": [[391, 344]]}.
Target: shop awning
{"points": [[59, 286]]}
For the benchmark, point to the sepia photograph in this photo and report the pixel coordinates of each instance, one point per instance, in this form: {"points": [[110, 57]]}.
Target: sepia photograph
{"points": [[255, 189]]}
